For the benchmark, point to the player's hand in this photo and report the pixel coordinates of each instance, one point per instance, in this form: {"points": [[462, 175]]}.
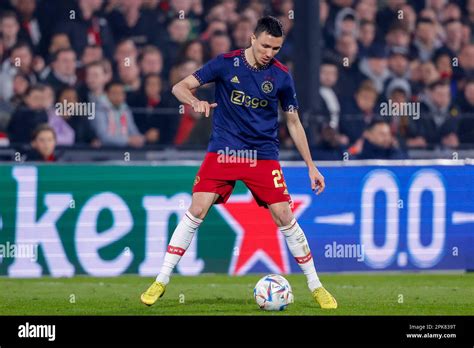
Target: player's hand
{"points": [[203, 107], [317, 180]]}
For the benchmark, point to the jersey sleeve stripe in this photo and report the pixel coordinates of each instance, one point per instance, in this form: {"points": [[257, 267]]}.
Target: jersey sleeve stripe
{"points": [[196, 75]]}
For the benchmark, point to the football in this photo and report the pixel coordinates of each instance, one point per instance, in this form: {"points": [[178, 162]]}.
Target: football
{"points": [[273, 293]]}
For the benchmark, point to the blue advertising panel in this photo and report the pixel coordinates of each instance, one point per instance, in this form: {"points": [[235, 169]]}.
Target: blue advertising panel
{"points": [[389, 217]]}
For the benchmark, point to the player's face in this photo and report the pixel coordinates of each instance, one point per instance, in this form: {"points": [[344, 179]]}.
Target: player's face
{"points": [[265, 47]]}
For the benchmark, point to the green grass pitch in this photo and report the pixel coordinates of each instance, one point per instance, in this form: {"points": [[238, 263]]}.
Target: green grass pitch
{"points": [[357, 294]]}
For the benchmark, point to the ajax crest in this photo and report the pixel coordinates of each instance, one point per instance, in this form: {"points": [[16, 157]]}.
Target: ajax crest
{"points": [[267, 87]]}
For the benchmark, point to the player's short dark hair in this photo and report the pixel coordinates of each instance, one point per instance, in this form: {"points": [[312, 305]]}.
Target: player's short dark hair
{"points": [[270, 25]]}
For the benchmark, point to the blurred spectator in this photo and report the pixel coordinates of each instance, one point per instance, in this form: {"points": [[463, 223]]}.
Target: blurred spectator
{"points": [[190, 127], [366, 37], [178, 31], [93, 90], [43, 145], [379, 144], [366, 10], [398, 62], [346, 23], [125, 52], [87, 28], [29, 25], [64, 132], [80, 124], [130, 21], [328, 125], [374, 67], [398, 36], [398, 93], [466, 106], [20, 61], [357, 113], [429, 75], [192, 10], [63, 73], [387, 16], [114, 123], [349, 73], [453, 41], [241, 33], [466, 60], [397, 65], [214, 26], [451, 11], [58, 41], [219, 44], [145, 105], [443, 63], [425, 42], [21, 83], [28, 116], [150, 61], [438, 122], [193, 50], [230, 10], [10, 28], [130, 77], [330, 103], [92, 53]]}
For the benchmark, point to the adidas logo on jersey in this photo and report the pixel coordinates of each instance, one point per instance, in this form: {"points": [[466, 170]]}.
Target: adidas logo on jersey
{"points": [[235, 79]]}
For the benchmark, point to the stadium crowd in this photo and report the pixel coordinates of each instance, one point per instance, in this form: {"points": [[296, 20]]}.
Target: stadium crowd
{"points": [[121, 57]]}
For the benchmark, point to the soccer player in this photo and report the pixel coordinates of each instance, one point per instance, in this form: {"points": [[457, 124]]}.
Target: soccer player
{"points": [[249, 83]]}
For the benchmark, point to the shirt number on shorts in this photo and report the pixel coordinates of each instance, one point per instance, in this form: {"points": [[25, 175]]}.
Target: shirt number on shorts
{"points": [[278, 180]]}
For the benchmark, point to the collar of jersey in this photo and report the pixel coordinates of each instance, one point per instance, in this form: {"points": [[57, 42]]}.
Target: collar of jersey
{"points": [[247, 64]]}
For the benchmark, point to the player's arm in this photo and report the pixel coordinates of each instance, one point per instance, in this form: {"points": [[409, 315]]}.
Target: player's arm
{"points": [[182, 91], [298, 135]]}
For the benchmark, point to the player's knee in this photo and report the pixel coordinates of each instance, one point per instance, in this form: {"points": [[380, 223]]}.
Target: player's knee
{"points": [[284, 218], [197, 211]]}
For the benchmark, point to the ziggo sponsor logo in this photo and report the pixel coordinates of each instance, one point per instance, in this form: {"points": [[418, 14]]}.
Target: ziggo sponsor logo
{"points": [[239, 98]]}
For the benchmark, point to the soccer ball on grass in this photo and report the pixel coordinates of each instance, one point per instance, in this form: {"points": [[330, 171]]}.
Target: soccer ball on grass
{"points": [[273, 293]]}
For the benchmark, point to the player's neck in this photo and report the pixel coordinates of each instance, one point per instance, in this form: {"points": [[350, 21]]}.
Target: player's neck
{"points": [[249, 56]]}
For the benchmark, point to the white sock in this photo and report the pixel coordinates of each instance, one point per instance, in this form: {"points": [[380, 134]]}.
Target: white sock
{"points": [[180, 240], [299, 248]]}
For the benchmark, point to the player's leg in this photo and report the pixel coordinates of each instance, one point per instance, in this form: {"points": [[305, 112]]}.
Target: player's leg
{"points": [[184, 232], [299, 248], [179, 243]]}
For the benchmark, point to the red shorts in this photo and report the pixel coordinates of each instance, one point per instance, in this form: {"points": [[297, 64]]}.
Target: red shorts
{"points": [[264, 178]]}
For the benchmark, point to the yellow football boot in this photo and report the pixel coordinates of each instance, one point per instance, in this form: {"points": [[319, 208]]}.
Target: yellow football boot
{"points": [[324, 298], [153, 293]]}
